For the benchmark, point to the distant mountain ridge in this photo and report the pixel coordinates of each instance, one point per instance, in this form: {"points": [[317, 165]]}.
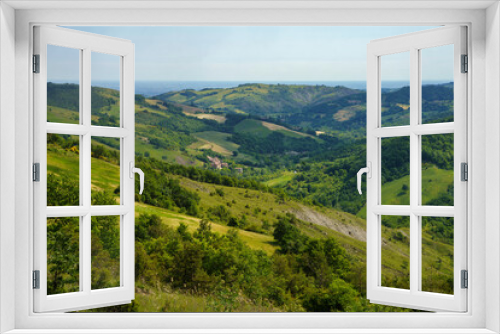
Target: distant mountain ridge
{"points": [[319, 108], [258, 99]]}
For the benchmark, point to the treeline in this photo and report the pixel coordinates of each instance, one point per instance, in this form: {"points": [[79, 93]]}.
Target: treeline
{"points": [[202, 175]]}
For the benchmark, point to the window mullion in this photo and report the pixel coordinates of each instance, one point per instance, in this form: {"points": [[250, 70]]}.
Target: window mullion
{"points": [[414, 172], [85, 170]]}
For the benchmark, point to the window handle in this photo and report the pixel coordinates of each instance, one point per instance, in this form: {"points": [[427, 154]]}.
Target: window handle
{"points": [[368, 171], [133, 171]]}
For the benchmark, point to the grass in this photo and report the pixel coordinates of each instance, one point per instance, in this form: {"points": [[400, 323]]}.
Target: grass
{"points": [[254, 126], [216, 141], [435, 181], [173, 219], [281, 180], [105, 176], [61, 115], [165, 299], [264, 129]]}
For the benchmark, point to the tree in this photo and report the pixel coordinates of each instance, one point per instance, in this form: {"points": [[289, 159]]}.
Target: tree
{"points": [[288, 237]]}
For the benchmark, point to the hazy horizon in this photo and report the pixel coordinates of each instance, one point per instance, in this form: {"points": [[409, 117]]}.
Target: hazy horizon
{"points": [[151, 88], [247, 54]]}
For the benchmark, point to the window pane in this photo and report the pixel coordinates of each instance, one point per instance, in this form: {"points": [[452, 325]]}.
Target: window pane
{"points": [[63, 170], [63, 85], [105, 171], [105, 89], [63, 250], [437, 254], [437, 170], [396, 252], [395, 171], [105, 252], [395, 85], [437, 84]]}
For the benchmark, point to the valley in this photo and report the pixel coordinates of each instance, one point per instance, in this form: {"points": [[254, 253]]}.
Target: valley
{"points": [[258, 235]]}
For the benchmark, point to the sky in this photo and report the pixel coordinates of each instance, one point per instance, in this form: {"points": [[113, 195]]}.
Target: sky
{"points": [[249, 54]]}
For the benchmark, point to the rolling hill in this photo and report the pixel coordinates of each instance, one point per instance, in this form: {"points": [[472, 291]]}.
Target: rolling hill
{"points": [[258, 99], [260, 212]]}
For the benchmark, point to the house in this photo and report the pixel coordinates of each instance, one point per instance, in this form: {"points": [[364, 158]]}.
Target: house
{"points": [[217, 163]]}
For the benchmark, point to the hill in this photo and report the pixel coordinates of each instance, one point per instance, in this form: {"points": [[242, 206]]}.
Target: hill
{"points": [[246, 221], [337, 110], [284, 197], [257, 99], [264, 148]]}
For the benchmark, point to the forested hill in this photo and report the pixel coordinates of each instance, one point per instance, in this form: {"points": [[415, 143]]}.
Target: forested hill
{"points": [[315, 159], [250, 209], [338, 110], [259, 99]]}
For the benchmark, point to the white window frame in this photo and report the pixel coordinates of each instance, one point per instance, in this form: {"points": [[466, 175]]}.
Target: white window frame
{"points": [[413, 44], [484, 49], [86, 44]]}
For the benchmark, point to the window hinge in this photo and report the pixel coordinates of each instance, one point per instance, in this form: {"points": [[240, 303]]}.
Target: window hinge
{"points": [[464, 171], [36, 63], [465, 64], [465, 279], [36, 279], [36, 172]]}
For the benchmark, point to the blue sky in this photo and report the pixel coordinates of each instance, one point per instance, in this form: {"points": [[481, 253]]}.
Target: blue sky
{"points": [[250, 54]]}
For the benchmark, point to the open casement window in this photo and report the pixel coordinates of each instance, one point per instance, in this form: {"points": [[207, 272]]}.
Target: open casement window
{"points": [[84, 242], [424, 226]]}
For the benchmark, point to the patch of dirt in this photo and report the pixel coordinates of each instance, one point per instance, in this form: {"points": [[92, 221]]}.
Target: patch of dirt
{"points": [[276, 127], [343, 115], [311, 216], [181, 161]]}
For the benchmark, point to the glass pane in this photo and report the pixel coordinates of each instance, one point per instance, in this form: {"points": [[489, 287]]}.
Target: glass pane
{"points": [[437, 170], [396, 252], [105, 97], [105, 170], [437, 84], [63, 170], [63, 85], [63, 255], [395, 84], [437, 254], [395, 171], [105, 252]]}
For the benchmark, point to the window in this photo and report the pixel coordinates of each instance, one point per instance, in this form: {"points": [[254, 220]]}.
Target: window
{"points": [[92, 235], [197, 273], [480, 96], [407, 140]]}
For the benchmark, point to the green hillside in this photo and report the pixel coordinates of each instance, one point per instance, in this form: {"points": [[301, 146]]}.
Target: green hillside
{"points": [[257, 234], [257, 216], [259, 99]]}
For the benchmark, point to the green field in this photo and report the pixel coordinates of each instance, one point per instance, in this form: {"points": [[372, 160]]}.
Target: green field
{"points": [[281, 180], [252, 126], [435, 181], [216, 141]]}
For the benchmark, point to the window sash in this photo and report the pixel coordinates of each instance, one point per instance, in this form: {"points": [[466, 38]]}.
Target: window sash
{"points": [[86, 297], [414, 298]]}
